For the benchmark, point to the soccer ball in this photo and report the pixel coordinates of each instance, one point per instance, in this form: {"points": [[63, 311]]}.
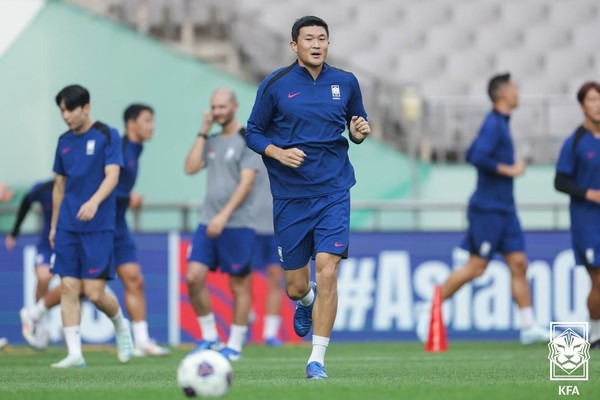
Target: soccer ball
{"points": [[204, 374]]}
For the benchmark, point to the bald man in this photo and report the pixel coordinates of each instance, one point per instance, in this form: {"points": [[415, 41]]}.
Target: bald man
{"points": [[225, 236]]}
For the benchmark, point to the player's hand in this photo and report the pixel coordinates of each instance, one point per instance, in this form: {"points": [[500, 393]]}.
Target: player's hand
{"points": [[216, 226], [135, 201], [359, 128], [593, 195], [291, 157], [10, 242], [518, 168], [207, 122], [51, 237], [87, 211]]}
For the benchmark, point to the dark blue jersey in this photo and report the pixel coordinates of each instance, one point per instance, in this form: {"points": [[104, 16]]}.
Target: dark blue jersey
{"points": [[82, 159], [41, 193], [294, 110], [492, 146], [128, 175], [581, 163]]}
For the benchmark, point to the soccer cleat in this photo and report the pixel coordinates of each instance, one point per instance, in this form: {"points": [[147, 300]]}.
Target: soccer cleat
{"points": [[231, 354], [3, 342], [70, 362], [273, 342], [534, 334], [204, 344], [424, 315], [28, 328], [150, 349], [303, 315], [124, 343], [315, 370]]}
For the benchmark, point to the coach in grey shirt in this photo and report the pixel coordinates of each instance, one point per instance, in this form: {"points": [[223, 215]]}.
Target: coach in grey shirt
{"points": [[225, 237]]}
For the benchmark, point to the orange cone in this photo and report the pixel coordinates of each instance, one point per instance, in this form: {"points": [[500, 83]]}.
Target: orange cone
{"points": [[437, 340]]}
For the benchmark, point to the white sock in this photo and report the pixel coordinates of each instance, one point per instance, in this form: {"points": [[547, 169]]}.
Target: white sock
{"points": [[527, 318], [140, 333], [594, 330], [320, 344], [208, 325], [271, 327], [237, 335], [73, 339], [119, 321], [38, 310], [309, 298]]}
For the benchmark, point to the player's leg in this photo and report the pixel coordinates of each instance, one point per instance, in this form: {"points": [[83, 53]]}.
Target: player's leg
{"points": [[44, 277], [472, 269], [33, 326], [242, 302], [593, 303], [273, 305]]}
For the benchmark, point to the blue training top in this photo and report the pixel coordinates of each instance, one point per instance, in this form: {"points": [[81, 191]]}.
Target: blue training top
{"points": [[128, 175], [82, 159], [492, 146], [40, 192], [581, 162], [294, 110]]}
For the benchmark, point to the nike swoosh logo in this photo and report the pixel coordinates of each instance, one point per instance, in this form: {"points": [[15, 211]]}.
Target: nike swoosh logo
{"points": [[292, 95], [336, 244], [94, 271], [66, 150]]}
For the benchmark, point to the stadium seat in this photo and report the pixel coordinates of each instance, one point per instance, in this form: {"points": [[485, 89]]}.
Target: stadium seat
{"points": [[473, 13], [443, 87], [447, 38], [546, 37], [583, 34], [520, 63], [399, 38], [572, 13], [522, 13], [568, 62], [425, 14], [541, 85], [468, 64], [413, 66], [497, 37]]}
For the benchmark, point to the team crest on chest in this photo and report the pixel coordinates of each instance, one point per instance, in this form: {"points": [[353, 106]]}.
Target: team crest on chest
{"points": [[91, 147], [335, 92]]}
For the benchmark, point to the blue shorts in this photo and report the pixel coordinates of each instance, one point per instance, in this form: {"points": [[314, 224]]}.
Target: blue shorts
{"points": [[307, 226], [43, 256], [124, 248], [231, 251], [586, 248], [493, 231], [84, 255], [265, 252]]}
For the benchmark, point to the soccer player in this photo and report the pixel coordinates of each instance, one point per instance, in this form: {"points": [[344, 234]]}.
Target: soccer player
{"points": [[266, 257], [87, 163], [300, 114], [139, 126], [34, 330], [578, 175], [493, 222], [225, 236], [5, 195]]}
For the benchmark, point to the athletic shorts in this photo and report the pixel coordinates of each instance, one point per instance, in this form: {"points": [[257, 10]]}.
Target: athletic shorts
{"points": [[586, 248], [492, 231], [265, 252], [124, 248], [84, 255], [43, 256], [307, 226], [231, 251]]}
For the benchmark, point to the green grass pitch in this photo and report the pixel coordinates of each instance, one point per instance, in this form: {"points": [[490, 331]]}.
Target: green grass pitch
{"points": [[469, 370]]}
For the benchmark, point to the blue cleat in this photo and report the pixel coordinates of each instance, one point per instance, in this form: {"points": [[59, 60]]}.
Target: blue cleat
{"points": [[303, 316], [208, 345], [231, 354], [273, 342], [316, 370]]}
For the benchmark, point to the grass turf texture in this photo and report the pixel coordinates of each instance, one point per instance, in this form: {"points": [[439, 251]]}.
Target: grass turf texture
{"points": [[503, 370]]}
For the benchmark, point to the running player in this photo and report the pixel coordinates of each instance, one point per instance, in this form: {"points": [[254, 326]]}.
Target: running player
{"points": [[493, 222], [87, 163], [578, 175], [300, 114], [225, 236]]}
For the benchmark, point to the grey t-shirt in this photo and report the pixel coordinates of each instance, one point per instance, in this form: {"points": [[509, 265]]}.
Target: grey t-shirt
{"points": [[225, 157], [263, 202]]}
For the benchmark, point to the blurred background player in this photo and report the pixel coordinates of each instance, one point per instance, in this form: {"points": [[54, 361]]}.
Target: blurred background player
{"points": [[225, 237], [33, 327], [87, 164], [578, 175], [139, 127], [297, 123], [5, 195], [493, 222], [266, 258]]}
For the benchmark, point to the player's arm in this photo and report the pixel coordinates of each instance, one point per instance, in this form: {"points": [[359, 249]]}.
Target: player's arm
{"points": [[565, 184], [58, 194], [194, 162], [24, 207], [239, 195], [109, 183], [356, 117]]}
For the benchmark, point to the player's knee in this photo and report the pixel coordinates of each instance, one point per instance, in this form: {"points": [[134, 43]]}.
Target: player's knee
{"points": [[194, 277], [95, 296], [296, 290], [328, 273], [477, 271], [519, 267], [134, 283]]}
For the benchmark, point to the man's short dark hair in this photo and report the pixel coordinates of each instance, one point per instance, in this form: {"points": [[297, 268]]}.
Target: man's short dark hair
{"points": [[134, 110], [73, 96], [583, 91], [495, 83], [309, 20]]}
